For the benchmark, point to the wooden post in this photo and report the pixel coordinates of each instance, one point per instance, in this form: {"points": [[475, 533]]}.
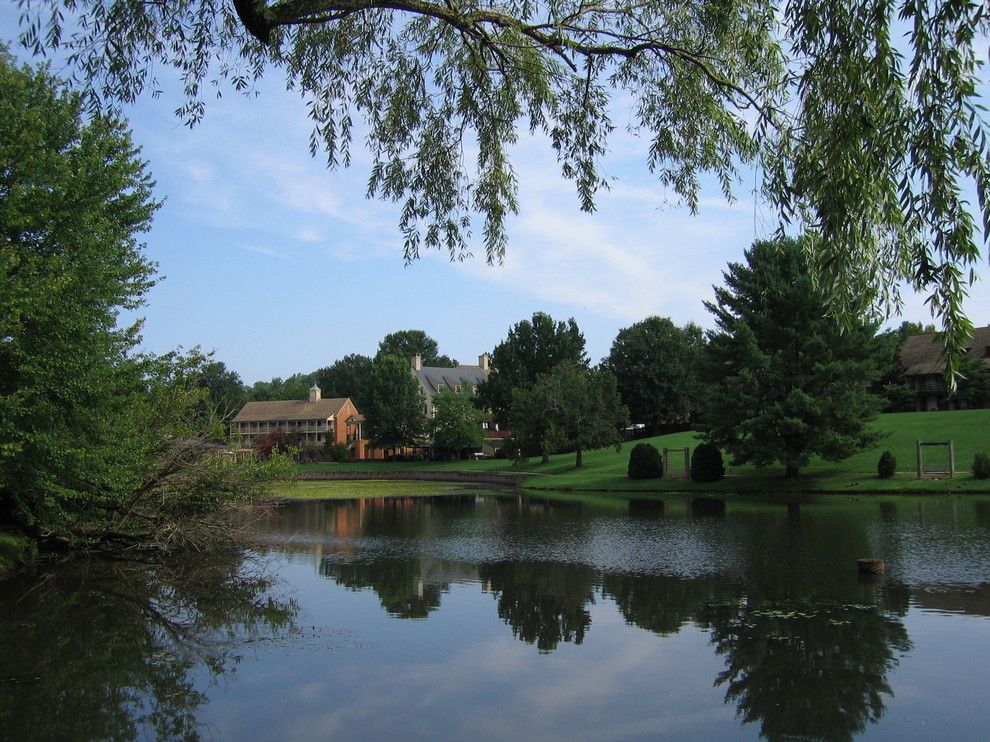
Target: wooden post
{"points": [[952, 459], [666, 464], [687, 462], [920, 455]]}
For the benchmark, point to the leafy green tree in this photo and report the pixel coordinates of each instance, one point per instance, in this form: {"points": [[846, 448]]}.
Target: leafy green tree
{"points": [[225, 392], [867, 145], [73, 197], [407, 343], [345, 378], [395, 415], [456, 423], [788, 383], [531, 349], [658, 368], [97, 443], [570, 408], [295, 387]]}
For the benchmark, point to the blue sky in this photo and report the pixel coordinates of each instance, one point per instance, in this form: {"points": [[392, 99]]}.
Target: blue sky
{"points": [[281, 266]]}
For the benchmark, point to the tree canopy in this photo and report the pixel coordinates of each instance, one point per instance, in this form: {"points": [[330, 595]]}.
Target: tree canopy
{"points": [[787, 382], [73, 195], [395, 415], [97, 442], [658, 366], [456, 423], [407, 343], [345, 378], [863, 116], [569, 408], [530, 349]]}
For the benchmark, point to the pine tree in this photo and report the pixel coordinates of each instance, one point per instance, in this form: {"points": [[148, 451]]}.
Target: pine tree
{"points": [[788, 383]]}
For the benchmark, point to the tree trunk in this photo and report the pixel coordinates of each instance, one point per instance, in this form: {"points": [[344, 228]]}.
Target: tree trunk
{"points": [[546, 458], [791, 472], [577, 458]]}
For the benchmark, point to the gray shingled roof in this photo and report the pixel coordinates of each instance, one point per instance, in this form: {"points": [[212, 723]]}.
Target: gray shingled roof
{"points": [[434, 378], [921, 355], [289, 409]]}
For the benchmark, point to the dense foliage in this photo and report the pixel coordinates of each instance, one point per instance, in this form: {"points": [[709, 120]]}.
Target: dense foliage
{"points": [[981, 466], [569, 408], [657, 366], [345, 378], [887, 465], [530, 349], [407, 343], [394, 401], [706, 463], [97, 443], [644, 462], [788, 383], [864, 116], [456, 423]]}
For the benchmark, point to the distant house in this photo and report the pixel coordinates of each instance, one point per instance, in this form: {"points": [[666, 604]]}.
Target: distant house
{"points": [[316, 420], [461, 380], [924, 367]]}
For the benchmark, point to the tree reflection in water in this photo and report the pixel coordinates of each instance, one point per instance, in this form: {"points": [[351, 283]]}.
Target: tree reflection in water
{"points": [[119, 650], [808, 668], [398, 582], [542, 602]]}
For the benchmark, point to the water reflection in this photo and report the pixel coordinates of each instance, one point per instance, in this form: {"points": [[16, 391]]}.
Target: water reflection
{"points": [[523, 618], [116, 650], [807, 669], [807, 647], [543, 603]]}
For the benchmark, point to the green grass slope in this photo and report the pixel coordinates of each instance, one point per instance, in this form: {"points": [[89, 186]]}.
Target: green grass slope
{"points": [[605, 469]]}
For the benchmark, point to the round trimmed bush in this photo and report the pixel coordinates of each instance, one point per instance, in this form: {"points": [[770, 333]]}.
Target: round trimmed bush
{"points": [[887, 465], [981, 466], [644, 462], [706, 463]]}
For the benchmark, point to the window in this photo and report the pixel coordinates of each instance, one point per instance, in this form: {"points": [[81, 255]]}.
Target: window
{"points": [[457, 388]]}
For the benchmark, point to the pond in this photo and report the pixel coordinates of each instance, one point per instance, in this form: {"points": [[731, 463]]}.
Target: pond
{"points": [[506, 617]]}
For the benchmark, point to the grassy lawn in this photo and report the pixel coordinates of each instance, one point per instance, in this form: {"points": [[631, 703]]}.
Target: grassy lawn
{"points": [[606, 469]]}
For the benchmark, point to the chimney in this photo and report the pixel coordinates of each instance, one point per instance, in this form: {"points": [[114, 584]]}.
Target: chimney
{"points": [[483, 361], [417, 362], [314, 394]]}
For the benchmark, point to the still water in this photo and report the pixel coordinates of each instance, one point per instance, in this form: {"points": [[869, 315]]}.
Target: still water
{"points": [[503, 617]]}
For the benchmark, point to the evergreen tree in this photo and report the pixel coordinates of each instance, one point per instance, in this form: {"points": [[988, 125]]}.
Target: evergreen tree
{"points": [[788, 382]]}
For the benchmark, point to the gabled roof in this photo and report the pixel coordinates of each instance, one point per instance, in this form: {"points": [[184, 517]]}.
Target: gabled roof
{"points": [[921, 355], [434, 378], [290, 409]]}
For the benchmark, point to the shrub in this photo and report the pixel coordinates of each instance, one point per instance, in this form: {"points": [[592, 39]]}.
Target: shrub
{"points": [[706, 463], [981, 466], [644, 462], [887, 465], [337, 451]]}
